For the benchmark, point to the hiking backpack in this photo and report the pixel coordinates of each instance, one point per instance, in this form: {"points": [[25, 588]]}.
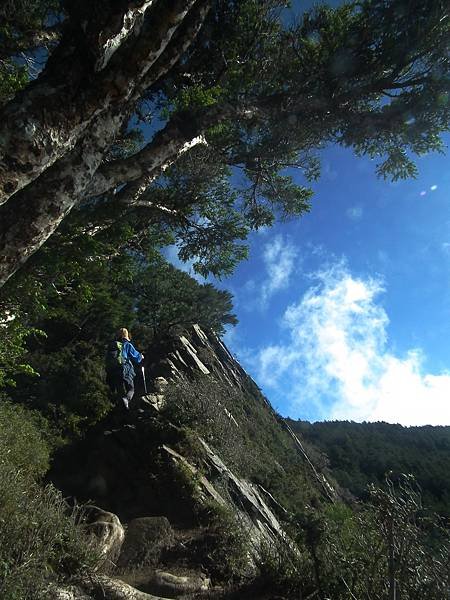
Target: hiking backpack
{"points": [[114, 356]]}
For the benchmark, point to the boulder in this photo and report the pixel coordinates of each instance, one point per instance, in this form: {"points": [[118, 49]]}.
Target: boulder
{"points": [[154, 401], [145, 539], [100, 586], [160, 384], [71, 592], [176, 585], [108, 531]]}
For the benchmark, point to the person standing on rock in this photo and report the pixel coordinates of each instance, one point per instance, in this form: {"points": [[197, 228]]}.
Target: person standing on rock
{"points": [[120, 373]]}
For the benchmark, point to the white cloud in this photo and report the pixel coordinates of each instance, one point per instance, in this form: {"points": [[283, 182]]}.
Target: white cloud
{"points": [[355, 213], [337, 358], [445, 246], [280, 258], [329, 172]]}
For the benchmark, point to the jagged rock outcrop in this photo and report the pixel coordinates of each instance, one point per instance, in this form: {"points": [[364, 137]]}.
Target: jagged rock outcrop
{"points": [[203, 353], [196, 353], [243, 497]]}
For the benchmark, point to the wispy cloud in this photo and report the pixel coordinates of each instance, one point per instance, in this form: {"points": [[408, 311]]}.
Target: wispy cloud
{"points": [[231, 336], [329, 172], [337, 358], [355, 213], [280, 258]]}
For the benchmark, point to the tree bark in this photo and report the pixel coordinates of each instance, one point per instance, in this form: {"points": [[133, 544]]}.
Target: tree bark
{"points": [[167, 145], [39, 208], [47, 119], [34, 213]]}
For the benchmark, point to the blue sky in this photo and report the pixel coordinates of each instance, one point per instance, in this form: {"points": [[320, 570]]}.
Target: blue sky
{"points": [[345, 313]]}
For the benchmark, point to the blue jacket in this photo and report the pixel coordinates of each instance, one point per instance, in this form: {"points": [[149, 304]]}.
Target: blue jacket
{"points": [[129, 354]]}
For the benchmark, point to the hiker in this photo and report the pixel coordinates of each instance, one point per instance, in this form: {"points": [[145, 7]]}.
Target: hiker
{"points": [[120, 371]]}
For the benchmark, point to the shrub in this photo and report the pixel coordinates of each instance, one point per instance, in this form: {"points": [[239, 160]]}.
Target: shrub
{"points": [[286, 568], [13, 359], [202, 405], [384, 548], [227, 553], [71, 391], [40, 542], [22, 446], [389, 547]]}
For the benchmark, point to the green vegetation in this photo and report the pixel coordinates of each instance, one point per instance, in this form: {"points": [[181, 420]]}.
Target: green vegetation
{"points": [[168, 299], [23, 28], [67, 305], [388, 547], [23, 447], [227, 547], [40, 541], [246, 433], [362, 453]]}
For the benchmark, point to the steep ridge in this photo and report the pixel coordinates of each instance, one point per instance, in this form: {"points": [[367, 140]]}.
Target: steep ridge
{"points": [[205, 353], [200, 476]]}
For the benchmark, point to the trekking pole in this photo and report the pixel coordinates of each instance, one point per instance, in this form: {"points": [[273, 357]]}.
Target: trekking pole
{"points": [[143, 378]]}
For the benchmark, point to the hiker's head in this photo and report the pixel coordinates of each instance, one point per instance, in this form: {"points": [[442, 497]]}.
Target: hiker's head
{"points": [[123, 334]]}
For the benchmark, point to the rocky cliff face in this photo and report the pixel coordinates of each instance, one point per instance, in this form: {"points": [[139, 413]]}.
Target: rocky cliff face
{"points": [[192, 486], [196, 353]]}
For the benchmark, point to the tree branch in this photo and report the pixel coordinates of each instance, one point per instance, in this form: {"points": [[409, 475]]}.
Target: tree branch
{"points": [[48, 118], [38, 213], [142, 168], [182, 132], [123, 21]]}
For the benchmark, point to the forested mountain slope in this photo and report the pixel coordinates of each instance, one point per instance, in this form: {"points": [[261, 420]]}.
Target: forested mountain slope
{"points": [[362, 453]]}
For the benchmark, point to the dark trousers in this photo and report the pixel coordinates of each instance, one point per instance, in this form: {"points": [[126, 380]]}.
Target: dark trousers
{"points": [[120, 387]]}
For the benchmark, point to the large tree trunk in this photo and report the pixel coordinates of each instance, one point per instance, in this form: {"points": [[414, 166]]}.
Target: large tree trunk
{"points": [[38, 209], [33, 214], [82, 80]]}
